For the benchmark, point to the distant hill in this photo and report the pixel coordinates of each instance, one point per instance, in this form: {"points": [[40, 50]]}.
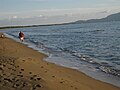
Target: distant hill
{"points": [[112, 17]]}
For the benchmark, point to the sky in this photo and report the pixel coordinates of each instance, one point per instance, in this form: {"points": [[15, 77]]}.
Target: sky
{"points": [[28, 12]]}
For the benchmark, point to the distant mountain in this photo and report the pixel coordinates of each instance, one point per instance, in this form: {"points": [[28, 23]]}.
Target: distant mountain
{"points": [[112, 17]]}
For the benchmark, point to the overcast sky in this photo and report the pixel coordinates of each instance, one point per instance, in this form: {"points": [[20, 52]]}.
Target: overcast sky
{"points": [[55, 11]]}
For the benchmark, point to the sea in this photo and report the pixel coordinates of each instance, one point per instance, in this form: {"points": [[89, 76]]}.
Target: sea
{"points": [[92, 48]]}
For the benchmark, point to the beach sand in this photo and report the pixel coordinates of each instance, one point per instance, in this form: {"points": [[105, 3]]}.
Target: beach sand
{"points": [[22, 68]]}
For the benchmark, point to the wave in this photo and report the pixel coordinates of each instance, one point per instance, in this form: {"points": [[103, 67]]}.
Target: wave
{"points": [[103, 66]]}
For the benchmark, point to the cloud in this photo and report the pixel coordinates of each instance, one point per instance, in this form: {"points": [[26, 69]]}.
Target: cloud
{"points": [[41, 0], [114, 0], [14, 17]]}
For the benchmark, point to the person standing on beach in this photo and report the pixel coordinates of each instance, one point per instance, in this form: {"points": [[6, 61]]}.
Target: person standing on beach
{"points": [[21, 36]]}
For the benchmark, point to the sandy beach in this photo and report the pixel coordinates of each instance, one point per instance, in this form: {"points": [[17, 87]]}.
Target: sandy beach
{"points": [[22, 68]]}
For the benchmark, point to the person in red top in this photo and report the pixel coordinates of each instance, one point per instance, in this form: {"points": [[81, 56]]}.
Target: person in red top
{"points": [[21, 36]]}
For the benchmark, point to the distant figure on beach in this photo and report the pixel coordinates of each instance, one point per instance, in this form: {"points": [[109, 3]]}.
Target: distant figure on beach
{"points": [[2, 35], [21, 36]]}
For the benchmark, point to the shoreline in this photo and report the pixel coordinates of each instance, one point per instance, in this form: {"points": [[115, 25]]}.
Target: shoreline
{"points": [[85, 68], [30, 71]]}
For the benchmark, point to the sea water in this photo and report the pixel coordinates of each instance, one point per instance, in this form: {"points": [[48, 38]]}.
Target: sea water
{"points": [[93, 48]]}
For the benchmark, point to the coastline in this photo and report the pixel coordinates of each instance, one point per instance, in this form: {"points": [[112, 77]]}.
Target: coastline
{"points": [[23, 68]]}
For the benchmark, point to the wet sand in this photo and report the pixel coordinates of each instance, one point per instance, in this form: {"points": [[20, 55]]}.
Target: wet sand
{"points": [[22, 68]]}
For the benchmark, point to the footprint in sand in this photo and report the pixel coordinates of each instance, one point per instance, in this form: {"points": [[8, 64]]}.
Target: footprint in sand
{"points": [[36, 86], [42, 67], [22, 69], [53, 76], [45, 71], [30, 72]]}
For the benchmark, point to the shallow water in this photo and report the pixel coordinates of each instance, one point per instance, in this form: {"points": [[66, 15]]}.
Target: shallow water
{"points": [[93, 48]]}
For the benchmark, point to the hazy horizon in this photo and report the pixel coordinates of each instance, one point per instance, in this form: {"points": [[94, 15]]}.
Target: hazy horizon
{"points": [[29, 12]]}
